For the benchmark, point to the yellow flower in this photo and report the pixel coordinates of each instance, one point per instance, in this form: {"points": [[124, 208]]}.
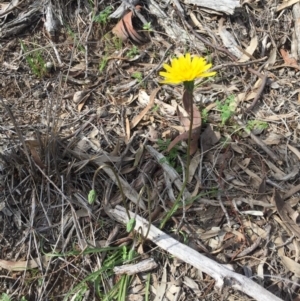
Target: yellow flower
{"points": [[185, 69]]}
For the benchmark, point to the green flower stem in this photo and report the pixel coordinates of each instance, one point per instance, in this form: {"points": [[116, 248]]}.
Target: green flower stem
{"points": [[189, 86], [188, 92], [188, 158]]}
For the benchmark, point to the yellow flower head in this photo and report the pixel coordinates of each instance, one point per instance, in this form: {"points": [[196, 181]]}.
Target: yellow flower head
{"points": [[185, 69]]}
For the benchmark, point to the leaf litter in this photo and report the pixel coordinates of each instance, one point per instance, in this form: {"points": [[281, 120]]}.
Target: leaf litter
{"points": [[87, 110]]}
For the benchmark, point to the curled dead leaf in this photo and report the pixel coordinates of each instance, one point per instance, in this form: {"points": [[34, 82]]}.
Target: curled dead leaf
{"points": [[125, 29]]}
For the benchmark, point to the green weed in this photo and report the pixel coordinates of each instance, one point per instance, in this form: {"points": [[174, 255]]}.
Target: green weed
{"points": [[103, 63], [35, 61], [147, 288], [147, 26], [132, 52], [117, 43], [256, 124], [102, 17], [155, 108], [115, 256], [227, 108], [112, 43], [137, 75], [204, 115], [5, 297], [172, 211]]}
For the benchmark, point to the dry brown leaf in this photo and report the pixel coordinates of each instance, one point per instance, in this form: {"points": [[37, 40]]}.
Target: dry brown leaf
{"points": [[294, 150], [286, 4], [139, 117], [256, 179], [291, 265], [192, 284], [35, 156], [194, 165], [78, 67], [250, 49], [183, 117], [273, 139], [22, 265], [7, 7], [244, 96], [286, 213], [80, 97], [288, 60], [209, 138], [255, 228], [237, 148], [161, 288], [272, 58]]}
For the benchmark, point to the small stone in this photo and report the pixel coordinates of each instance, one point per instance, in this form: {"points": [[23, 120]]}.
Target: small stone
{"points": [[49, 65]]}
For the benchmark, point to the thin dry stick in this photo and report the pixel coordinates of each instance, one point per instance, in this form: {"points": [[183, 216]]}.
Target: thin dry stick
{"points": [[247, 250], [238, 64], [224, 209], [259, 92]]}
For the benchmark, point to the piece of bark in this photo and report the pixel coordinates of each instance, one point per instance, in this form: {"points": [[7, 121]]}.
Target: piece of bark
{"points": [[224, 6], [222, 274], [131, 269], [296, 15]]}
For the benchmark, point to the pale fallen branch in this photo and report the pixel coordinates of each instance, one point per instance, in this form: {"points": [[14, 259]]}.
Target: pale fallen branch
{"points": [[222, 274]]}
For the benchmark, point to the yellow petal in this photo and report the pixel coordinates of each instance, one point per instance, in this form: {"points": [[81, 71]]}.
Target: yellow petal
{"points": [[185, 68], [208, 74]]}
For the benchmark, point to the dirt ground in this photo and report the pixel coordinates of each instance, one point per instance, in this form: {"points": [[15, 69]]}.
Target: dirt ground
{"points": [[78, 115]]}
